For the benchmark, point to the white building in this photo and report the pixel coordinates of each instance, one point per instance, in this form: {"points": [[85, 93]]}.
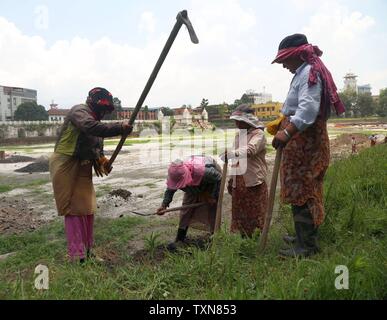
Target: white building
{"points": [[56, 114], [11, 98], [260, 97], [364, 89], [350, 82], [185, 117]]}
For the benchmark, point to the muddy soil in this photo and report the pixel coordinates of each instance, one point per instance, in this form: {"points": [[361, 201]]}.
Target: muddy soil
{"points": [[341, 147], [121, 193], [40, 166], [17, 217], [132, 171]]}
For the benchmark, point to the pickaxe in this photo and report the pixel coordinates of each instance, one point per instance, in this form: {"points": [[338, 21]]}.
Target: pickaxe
{"points": [[188, 206], [182, 18]]}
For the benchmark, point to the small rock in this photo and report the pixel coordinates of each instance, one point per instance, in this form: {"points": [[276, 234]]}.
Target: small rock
{"points": [[6, 256]]}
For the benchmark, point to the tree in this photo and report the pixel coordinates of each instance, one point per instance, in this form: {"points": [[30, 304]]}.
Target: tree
{"points": [[365, 104], [247, 99], [146, 112], [167, 111], [349, 100], [204, 103], [223, 109], [30, 111], [381, 108], [117, 109]]}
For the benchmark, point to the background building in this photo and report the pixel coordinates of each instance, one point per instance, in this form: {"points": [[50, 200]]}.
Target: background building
{"points": [[150, 114], [350, 84], [11, 98], [259, 97], [56, 114], [364, 89], [267, 110]]}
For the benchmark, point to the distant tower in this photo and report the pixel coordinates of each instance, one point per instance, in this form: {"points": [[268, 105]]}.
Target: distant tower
{"points": [[53, 105], [350, 82]]}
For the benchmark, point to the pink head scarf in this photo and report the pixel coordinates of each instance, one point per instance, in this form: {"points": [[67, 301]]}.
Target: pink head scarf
{"points": [[311, 54], [188, 173]]}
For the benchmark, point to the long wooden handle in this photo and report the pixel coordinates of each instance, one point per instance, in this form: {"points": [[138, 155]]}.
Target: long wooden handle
{"points": [[148, 86], [273, 187], [188, 206], [218, 219]]}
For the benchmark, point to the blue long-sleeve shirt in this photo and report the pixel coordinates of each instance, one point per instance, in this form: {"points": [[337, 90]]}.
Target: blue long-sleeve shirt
{"points": [[303, 102]]}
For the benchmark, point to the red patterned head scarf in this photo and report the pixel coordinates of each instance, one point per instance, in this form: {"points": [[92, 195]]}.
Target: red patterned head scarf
{"points": [[100, 101]]}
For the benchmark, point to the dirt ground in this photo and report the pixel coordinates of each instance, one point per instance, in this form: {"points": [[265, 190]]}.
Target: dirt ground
{"points": [[132, 186], [16, 216]]}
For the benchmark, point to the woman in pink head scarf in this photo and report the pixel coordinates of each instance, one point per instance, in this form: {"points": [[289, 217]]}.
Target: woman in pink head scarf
{"points": [[199, 178]]}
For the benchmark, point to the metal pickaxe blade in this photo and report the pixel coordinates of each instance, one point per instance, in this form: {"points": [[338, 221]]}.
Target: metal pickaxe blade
{"points": [[183, 17]]}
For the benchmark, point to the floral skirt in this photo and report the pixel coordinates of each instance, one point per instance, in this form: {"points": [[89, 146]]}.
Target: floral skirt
{"points": [[249, 206], [305, 160]]}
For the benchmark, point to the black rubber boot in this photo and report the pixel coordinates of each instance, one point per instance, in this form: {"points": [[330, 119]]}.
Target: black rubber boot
{"points": [[306, 234], [181, 235], [289, 239]]}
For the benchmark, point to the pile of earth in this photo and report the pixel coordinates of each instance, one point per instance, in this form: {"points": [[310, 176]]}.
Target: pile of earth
{"points": [[121, 193], [40, 165], [16, 217], [16, 159]]}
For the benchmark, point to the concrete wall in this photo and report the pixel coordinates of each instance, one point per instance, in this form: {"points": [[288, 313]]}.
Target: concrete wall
{"points": [[33, 129]]}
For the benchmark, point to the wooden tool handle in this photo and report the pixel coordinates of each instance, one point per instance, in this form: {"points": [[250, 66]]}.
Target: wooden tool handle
{"points": [[188, 206], [218, 219], [273, 186]]}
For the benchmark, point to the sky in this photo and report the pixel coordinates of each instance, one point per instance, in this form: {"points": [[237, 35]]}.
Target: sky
{"points": [[64, 48]]}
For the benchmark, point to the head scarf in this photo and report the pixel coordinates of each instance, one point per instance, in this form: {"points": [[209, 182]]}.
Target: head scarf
{"points": [[311, 55], [186, 173], [100, 100], [246, 114]]}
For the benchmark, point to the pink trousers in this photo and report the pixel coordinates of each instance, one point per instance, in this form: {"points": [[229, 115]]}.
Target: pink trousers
{"points": [[79, 235]]}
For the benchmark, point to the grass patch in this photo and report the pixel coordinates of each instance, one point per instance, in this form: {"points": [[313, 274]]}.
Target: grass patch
{"points": [[128, 142], [5, 188], [31, 184], [353, 234]]}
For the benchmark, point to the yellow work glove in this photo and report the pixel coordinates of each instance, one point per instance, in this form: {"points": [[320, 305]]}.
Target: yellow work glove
{"points": [[273, 126]]}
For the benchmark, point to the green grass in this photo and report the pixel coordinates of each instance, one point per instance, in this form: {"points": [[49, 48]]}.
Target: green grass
{"points": [[128, 142], [26, 149], [353, 234], [32, 184], [358, 120]]}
